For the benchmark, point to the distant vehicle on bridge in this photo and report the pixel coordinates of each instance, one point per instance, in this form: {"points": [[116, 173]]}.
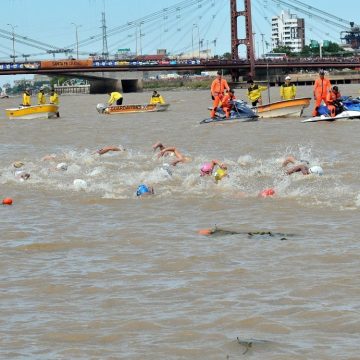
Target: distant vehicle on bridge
{"points": [[275, 56]]}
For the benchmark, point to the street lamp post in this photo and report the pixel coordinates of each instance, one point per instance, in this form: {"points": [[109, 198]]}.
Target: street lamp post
{"points": [[262, 40], [192, 41], [77, 39], [321, 44], [192, 38], [13, 39], [140, 36]]}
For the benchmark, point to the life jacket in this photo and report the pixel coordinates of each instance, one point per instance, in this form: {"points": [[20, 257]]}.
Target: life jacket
{"points": [[322, 87], [332, 96], [26, 99], [157, 99], [54, 99], [254, 92], [41, 98], [226, 100], [288, 91], [218, 87]]}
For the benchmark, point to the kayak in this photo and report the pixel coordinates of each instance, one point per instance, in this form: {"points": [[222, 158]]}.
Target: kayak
{"points": [[239, 113], [127, 109]]}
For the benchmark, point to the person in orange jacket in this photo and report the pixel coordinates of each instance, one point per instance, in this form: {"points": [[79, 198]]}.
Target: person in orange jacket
{"points": [[218, 86], [227, 102], [333, 101], [321, 88]]}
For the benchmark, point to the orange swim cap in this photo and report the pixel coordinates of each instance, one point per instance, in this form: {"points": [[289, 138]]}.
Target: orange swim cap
{"points": [[7, 201], [205, 232], [267, 192]]}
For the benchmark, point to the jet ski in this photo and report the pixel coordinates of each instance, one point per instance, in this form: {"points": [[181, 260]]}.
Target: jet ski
{"points": [[324, 115], [240, 112], [351, 103]]}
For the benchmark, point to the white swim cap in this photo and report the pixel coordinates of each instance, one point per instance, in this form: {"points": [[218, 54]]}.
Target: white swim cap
{"points": [[62, 166], [316, 170], [18, 173], [80, 184]]}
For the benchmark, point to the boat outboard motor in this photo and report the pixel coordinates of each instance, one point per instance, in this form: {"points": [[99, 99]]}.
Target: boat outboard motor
{"points": [[101, 108]]}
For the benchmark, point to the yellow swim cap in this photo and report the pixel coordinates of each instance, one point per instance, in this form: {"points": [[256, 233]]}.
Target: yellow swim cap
{"points": [[219, 174], [18, 164]]}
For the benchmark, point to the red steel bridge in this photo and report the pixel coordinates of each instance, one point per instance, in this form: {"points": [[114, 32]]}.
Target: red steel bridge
{"points": [[236, 65]]}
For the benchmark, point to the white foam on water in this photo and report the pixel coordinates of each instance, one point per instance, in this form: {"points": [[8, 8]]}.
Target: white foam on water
{"points": [[357, 200], [80, 184], [117, 176]]}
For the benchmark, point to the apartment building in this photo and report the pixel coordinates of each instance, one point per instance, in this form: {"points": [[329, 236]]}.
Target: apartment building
{"points": [[288, 30]]}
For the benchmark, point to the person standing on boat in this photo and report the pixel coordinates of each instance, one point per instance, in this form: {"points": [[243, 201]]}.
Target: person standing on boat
{"points": [[333, 101], [41, 97], [321, 88], [218, 86], [227, 102], [287, 90], [54, 97], [156, 98], [254, 93], [115, 96], [26, 98]]}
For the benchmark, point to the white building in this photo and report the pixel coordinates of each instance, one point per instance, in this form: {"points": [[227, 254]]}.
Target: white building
{"points": [[288, 30]]}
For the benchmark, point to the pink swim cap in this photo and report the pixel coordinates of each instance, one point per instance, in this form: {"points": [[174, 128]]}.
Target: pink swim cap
{"points": [[206, 169]]}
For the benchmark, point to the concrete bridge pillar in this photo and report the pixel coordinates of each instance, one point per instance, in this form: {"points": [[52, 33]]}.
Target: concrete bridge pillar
{"points": [[108, 81]]}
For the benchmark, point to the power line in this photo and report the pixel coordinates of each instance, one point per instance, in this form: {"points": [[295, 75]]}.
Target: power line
{"points": [[322, 12], [328, 21], [145, 19]]}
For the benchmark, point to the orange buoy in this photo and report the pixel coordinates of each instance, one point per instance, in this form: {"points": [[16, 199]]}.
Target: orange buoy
{"points": [[267, 192], [7, 201], [205, 232]]}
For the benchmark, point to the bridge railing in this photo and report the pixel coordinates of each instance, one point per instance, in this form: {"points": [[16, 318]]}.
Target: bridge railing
{"points": [[40, 66]]}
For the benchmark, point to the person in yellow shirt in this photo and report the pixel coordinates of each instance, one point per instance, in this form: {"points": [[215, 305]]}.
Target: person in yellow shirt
{"points": [[287, 90], [26, 98], [115, 96], [254, 93], [41, 97], [54, 97], [156, 98]]}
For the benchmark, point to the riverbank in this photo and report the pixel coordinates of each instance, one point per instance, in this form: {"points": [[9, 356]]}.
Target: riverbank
{"points": [[300, 79]]}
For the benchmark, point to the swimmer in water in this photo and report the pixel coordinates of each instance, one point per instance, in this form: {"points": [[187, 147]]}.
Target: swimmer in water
{"points": [[144, 190], [303, 166], [306, 170], [106, 149], [49, 157], [159, 146], [18, 164], [292, 160], [22, 175], [180, 158], [208, 168]]}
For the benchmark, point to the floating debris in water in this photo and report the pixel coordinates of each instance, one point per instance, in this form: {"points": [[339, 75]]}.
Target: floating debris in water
{"points": [[248, 343], [220, 232]]}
